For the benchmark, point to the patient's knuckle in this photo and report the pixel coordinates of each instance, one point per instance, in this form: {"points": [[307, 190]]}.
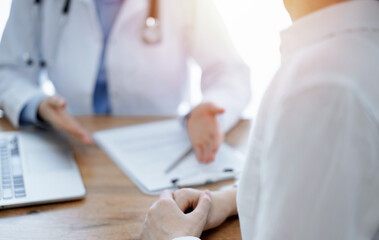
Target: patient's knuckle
{"points": [[185, 191], [178, 193], [163, 203]]}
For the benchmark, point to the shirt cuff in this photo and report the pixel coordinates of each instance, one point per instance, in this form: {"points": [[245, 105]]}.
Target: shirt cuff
{"points": [[184, 119], [28, 115], [187, 238]]}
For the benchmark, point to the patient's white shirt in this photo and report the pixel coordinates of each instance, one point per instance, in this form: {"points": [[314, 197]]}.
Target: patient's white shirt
{"points": [[313, 167]]}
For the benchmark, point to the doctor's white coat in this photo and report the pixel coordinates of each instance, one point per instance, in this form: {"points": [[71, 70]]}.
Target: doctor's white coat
{"points": [[142, 79]]}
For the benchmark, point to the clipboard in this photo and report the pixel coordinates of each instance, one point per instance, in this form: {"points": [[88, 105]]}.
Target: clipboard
{"points": [[145, 151]]}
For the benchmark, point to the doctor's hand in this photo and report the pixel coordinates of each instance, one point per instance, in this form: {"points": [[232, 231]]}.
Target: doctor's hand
{"points": [[165, 220], [53, 110], [204, 131], [223, 204]]}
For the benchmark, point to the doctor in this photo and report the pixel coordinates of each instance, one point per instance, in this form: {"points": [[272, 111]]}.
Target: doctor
{"points": [[313, 168], [121, 57]]}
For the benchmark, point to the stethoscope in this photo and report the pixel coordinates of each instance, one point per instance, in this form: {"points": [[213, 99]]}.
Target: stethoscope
{"points": [[151, 32]]}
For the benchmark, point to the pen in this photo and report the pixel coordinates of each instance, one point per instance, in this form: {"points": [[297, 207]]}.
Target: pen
{"points": [[179, 160], [203, 179]]}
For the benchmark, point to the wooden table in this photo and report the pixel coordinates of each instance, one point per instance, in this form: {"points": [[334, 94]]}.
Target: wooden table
{"points": [[113, 208]]}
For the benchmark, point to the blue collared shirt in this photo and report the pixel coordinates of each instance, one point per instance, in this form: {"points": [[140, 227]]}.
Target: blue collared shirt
{"points": [[107, 11]]}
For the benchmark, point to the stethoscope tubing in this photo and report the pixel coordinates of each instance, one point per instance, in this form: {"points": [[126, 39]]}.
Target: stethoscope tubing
{"points": [[153, 17]]}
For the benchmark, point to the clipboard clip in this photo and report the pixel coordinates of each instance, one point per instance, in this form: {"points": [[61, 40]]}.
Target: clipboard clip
{"points": [[204, 179]]}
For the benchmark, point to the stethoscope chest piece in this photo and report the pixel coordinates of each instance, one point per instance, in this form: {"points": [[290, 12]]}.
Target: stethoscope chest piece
{"points": [[151, 34]]}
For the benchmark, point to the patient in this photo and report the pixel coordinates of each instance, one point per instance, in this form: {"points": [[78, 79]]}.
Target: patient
{"points": [[313, 167]]}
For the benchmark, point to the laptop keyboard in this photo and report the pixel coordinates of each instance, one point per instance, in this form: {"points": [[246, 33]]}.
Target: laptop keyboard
{"points": [[12, 178]]}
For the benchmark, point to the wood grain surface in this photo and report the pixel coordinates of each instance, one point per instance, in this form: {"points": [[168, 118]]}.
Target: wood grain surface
{"points": [[113, 208]]}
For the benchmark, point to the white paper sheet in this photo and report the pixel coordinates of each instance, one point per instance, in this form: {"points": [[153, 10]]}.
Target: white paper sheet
{"points": [[145, 151]]}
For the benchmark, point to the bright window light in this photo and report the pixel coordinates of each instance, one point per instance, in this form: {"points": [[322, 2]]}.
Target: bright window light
{"points": [[255, 26], [5, 6]]}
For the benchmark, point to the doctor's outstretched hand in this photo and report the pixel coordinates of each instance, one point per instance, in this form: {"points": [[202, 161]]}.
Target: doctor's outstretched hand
{"points": [[53, 111], [204, 131], [165, 220]]}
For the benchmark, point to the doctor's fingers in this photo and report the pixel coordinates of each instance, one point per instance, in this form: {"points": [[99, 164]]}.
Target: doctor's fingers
{"points": [[80, 133], [65, 122], [56, 101], [217, 138], [199, 151], [208, 152], [216, 110], [216, 146], [211, 146]]}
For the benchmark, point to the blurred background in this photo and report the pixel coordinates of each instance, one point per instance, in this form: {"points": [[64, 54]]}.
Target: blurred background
{"points": [[254, 26]]}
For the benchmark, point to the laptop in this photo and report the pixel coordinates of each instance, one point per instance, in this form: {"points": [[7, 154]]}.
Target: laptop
{"points": [[37, 168]]}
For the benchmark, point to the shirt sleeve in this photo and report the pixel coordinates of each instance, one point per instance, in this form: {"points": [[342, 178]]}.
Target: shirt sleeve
{"points": [[18, 81], [319, 170], [28, 115], [225, 77]]}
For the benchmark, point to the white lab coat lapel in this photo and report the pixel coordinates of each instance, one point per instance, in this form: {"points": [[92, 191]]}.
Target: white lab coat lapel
{"points": [[82, 33], [92, 12], [127, 13], [128, 10], [53, 23]]}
